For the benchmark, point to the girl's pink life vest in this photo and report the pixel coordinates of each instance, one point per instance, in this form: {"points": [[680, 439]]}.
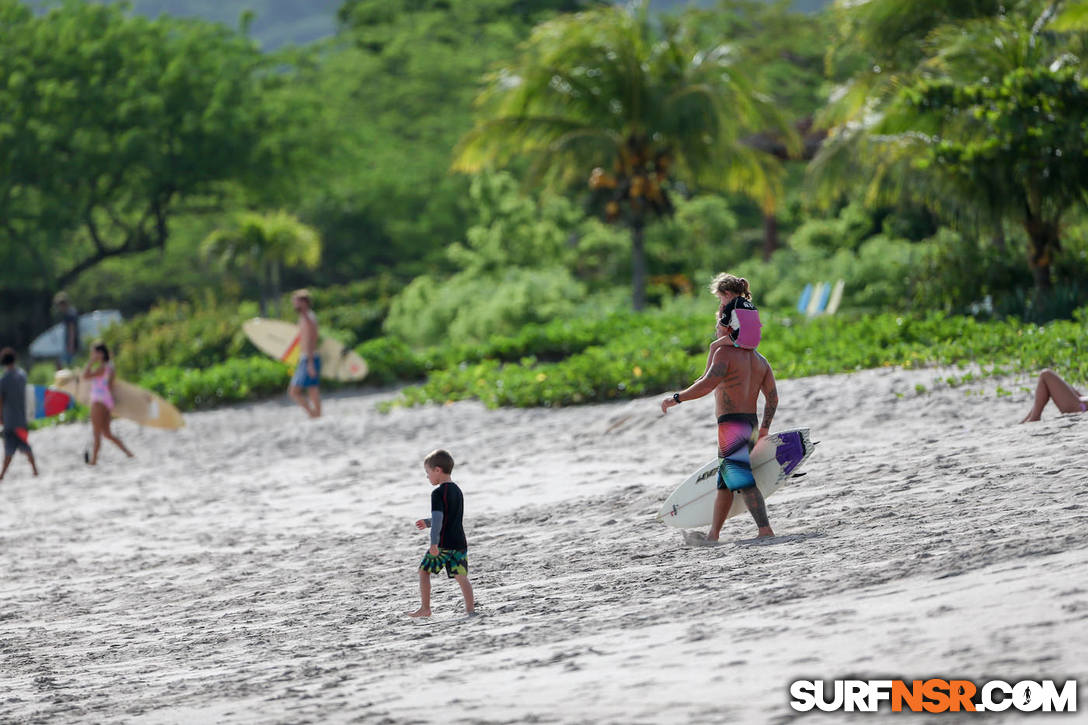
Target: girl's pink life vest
{"points": [[742, 319]]}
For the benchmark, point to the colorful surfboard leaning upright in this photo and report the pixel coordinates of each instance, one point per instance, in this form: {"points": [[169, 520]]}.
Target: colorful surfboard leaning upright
{"points": [[43, 402]]}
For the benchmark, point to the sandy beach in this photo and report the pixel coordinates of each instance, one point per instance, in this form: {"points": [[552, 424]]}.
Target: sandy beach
{"points": [[256, 567]]}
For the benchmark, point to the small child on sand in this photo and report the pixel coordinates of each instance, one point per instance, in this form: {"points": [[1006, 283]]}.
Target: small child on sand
{"points": [[449, 549]]}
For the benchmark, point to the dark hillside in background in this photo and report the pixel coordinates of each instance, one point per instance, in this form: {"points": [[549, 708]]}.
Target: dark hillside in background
{"points": [[284, 22], [805, 6], [277, 22]]}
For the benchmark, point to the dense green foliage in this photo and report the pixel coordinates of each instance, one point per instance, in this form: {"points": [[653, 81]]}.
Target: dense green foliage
{"points": [[617, 98], [178, 335], [461, 162], [263, 245], [396, 90], [570, 361], [111, 127], [201, 335], [1010, 152], [620, 356], [654, 354], [982, 118], [234, 381]]}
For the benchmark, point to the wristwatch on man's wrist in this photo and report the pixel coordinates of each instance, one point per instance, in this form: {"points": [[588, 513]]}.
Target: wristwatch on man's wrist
{"points": [[676, 397]]}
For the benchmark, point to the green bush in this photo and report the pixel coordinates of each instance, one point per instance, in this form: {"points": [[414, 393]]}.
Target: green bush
{"points": [[700, 240], [846, 231], [184, 335], [652, 353], [880, 275], [959, 270], [354, 311], [178, 334], [233, 381], [390, 360], [351, 324], [472, 307], [41, 373], [78, 414], [884, 273]]}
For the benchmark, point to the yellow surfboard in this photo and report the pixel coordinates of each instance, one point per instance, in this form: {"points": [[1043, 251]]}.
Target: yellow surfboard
{"points": [[130, 401], [280, 340]]}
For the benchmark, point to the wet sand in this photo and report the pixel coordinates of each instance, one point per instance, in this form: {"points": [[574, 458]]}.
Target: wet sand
{"points": [[257, 567]]}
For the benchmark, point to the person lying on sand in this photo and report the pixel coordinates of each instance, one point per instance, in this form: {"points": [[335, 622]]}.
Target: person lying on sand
{"points": [[736, 376], [449, 549], [1052, 387]]}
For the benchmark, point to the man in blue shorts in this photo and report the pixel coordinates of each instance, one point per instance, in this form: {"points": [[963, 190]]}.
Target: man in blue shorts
{"points": [[307, 375], [736, 376]]}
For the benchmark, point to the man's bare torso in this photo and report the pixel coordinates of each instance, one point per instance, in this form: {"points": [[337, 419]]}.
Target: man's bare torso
{"points": [[307, 330], [743, 373]]}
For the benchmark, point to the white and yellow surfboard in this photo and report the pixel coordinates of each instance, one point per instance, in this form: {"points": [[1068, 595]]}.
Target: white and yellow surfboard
{"points": [[280, 340], [130, 401]]}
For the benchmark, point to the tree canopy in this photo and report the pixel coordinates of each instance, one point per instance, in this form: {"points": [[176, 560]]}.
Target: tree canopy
{"points": [[985, 113], [111, 125], [609, 91], [883, 142]]}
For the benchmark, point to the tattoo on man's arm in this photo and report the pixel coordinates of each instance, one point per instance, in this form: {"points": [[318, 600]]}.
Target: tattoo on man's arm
{"points": [[770, 406], [721, 374]]}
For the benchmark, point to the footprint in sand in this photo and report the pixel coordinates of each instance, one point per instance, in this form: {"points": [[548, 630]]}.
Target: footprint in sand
{"points": [[697, 538], [776, 540]]}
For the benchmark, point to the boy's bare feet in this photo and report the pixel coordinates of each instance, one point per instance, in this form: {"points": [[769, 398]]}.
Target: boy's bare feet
{"points": [[420, 613], [764, 532]]}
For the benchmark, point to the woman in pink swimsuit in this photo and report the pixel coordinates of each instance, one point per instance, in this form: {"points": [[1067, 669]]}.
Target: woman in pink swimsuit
{"points": [[1052, 387], [99, 372]]}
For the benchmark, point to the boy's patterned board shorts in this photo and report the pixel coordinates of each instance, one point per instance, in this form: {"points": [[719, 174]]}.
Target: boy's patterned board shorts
{"points": [[455, 561]]}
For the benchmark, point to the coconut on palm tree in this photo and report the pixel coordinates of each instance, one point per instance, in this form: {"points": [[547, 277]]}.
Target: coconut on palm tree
{"points": [[263, 245], [634, 105]]}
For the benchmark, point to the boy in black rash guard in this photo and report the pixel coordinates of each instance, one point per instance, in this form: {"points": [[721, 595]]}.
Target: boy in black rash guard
{"points": [[449, 549]]}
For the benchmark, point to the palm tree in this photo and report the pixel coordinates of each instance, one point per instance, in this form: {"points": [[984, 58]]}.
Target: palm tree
{"points": [[952, 117], [263, 244], [632, 104]]}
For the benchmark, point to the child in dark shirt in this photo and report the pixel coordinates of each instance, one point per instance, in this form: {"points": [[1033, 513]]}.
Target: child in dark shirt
{"points": [[449, 549]]}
